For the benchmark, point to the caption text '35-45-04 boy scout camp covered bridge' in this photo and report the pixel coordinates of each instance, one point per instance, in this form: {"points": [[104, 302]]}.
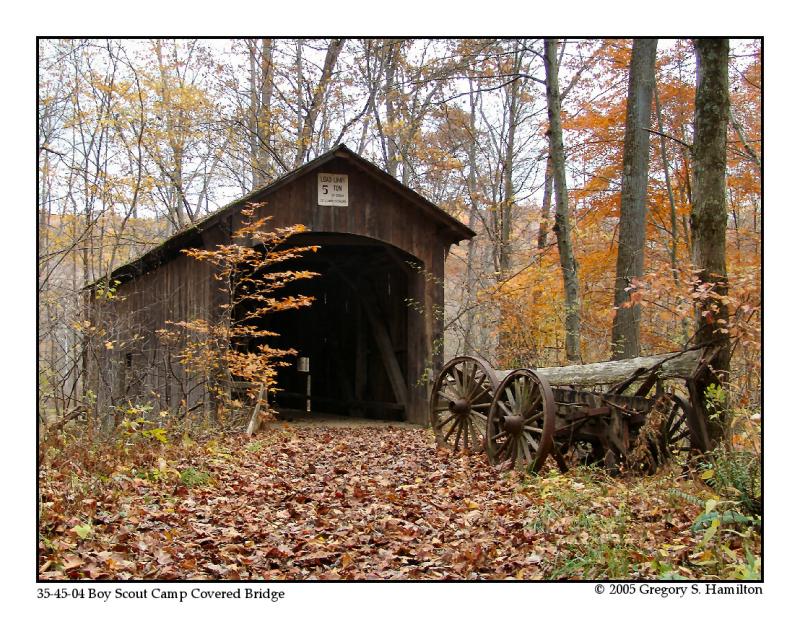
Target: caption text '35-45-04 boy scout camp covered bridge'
{"points": [[370, 335]]}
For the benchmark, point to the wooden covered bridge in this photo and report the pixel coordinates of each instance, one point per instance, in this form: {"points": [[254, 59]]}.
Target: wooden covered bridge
{"points": [[369, 336]]}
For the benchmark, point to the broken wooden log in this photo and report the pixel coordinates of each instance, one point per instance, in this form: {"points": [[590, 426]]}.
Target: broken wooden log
{"points": [[671, 365]]}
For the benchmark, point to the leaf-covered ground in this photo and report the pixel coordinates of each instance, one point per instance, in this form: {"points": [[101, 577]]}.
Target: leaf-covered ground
{"points": [[319, 502]]}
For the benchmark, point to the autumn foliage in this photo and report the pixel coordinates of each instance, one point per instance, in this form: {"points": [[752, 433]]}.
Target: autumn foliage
{"points": [[530, 299]]}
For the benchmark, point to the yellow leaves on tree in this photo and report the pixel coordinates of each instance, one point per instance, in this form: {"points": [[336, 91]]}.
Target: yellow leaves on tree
{"points": [[234, 346]]}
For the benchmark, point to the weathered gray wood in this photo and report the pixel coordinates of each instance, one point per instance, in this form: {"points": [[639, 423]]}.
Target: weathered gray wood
{"points": [[384, 343], [681, 365], [360, 372], [165, 285], [255, 420]]}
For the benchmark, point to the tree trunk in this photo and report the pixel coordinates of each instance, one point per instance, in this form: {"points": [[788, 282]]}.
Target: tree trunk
{"points": [[171, 169], [507, 206], [544, 220], [392, 138], [673, 212], [709, 215], [569, 267], [633, 203], [317, 101], [260, 113], [472, 188], [252, 117]]}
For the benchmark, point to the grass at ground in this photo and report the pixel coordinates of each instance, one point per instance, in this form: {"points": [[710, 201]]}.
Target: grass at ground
{"points": [[322, 502]]}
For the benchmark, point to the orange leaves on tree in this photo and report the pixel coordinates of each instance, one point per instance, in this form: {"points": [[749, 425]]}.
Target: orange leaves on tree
{"points": [[235, 346]]}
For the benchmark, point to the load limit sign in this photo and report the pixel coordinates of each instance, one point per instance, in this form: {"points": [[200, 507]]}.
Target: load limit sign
{"points": [[332, 189]]}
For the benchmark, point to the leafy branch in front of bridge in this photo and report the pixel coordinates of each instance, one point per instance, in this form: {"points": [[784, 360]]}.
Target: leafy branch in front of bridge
{"points": [[231, 352]]}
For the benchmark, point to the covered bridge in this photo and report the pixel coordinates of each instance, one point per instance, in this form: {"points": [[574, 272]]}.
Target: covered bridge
{"points": [[370, 335]]}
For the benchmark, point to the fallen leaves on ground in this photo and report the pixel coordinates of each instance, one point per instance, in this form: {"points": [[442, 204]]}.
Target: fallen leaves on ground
{"points": [[363, 503]]}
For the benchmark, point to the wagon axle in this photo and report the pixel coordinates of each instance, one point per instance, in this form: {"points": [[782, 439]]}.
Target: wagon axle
{"points": [[512, 424]]}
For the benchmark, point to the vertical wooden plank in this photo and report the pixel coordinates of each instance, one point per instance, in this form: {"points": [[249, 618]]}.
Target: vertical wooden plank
{"points": [[360, 372]]}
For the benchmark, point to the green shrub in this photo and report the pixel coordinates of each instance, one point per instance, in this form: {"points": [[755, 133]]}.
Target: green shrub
{"points": [[254, 446], [736, 475], [191, 477]]}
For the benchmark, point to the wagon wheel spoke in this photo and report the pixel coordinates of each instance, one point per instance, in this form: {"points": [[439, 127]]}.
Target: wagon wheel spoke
{"points": [[461, 396], [672, 412], [536, 400], [512, 401], [465, 372], [442, 423], [527, 452], [460, 424], [514, 452], [533, 443], [505, 407], [472, 438], [676, 433], [682, 435], [536, 415], [480, 396], [451, 398], [471, 384], [455, 425], [504, 445], [681, 420]]}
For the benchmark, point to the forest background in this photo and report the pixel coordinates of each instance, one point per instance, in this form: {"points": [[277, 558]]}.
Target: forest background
{"points": [[139, 139]]}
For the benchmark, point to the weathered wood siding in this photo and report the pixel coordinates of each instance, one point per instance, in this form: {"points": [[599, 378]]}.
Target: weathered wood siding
{"points": [[135, 362]]}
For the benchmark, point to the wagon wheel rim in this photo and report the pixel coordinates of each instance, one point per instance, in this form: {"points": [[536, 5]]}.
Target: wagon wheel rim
{"points": [[521, 421], [677, 436], [460, 401]]}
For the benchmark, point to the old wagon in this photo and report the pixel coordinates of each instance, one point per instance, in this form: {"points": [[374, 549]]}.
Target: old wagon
{"points": [[633, 413]]}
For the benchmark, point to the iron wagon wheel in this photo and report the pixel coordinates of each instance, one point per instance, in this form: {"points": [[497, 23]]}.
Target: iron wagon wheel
{"points": [[677, 435], [521, 421], [666, 435], [460, 401]]}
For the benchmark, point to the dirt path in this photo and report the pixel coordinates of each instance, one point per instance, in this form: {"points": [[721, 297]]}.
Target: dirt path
{"points": [[357, 501]]}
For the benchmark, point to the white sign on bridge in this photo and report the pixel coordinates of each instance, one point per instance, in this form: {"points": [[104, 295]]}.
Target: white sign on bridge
{"points": [[332, 189]]}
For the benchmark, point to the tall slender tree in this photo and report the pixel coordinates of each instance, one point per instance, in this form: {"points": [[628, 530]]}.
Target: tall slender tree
{"points": [[259, 116], [569, 266], [633, 201], [709, 216], [307, 121]]}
